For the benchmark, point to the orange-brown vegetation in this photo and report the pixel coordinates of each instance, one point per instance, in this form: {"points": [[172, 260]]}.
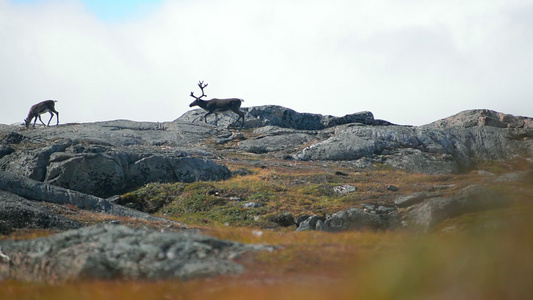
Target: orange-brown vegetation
{"points": [[483, 255]]}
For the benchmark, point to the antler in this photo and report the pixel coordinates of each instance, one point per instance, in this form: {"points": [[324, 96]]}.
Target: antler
{"points": [[202, 86]]}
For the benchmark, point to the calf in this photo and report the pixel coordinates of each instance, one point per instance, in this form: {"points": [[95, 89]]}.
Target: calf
{"points": [[40, 108]]}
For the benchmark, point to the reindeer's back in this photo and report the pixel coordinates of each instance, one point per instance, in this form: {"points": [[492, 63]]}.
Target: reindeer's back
{"points": [[224, 104]]}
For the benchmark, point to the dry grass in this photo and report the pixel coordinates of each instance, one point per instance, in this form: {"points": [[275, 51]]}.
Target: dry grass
{"points": [[483, 262], [487, 255], [284, 187]]}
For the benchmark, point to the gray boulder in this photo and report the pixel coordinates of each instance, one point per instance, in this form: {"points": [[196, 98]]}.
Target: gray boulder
{"points": [[110, 173], [354, 142], [119, 252], [310, 223], [17, 212], [371, 217], [359, 219], [252, 204], [273, 139], [225, 120], [473, 198], [36, 190], [31, 162], [344, 189], [5, 150]]}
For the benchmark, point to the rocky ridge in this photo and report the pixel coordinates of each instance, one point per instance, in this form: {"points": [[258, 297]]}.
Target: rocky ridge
{"points": [[83, 164]]}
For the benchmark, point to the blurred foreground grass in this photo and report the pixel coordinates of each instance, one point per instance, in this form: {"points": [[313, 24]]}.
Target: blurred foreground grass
{"points": [[483, 255], [486, 255]]}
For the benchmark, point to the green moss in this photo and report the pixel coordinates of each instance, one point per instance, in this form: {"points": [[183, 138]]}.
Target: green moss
{"points": [[261, 197], [322, 189], [280, 189], [152, 197]]}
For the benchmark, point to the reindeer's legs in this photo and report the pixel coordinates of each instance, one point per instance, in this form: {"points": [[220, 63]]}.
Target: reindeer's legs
{"points": [[216, 117], [241, 116], [51, 116], [57, 117], [40, 120], [205, 117]]}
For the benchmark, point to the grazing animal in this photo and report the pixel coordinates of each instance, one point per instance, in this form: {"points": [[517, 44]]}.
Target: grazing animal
{"points": [[217, 105], [40, 108]]}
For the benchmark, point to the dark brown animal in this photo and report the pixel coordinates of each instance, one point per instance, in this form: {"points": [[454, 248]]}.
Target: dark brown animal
{"points": [[217, 105]]}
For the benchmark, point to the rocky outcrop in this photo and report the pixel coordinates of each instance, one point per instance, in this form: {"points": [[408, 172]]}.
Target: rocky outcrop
{"points": [[483, 117], [116, 172], [425, 149], [107, 158], [5, 150], [17, 212], [127, 154], [369, 217], [114, 157], [273, 115], [432, 211], [36, 190], [271, 139], [446, 146], [119, 252]]}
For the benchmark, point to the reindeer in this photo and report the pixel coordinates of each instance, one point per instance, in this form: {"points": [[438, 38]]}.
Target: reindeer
{"points": [[40, 108], [217, 105]]}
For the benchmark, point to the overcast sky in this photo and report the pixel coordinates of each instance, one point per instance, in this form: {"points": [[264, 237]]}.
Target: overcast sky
{"points": [[407, 61]]}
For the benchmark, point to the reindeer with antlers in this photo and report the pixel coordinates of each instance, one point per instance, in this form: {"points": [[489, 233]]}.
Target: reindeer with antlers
{"points": [[217, 105]]}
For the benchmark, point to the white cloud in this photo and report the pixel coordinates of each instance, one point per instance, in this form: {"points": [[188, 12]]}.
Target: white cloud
{"points": [[409, 62]]}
